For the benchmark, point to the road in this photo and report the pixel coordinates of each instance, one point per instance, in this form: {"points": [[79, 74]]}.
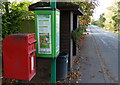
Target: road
{"points": [[99, 56]]}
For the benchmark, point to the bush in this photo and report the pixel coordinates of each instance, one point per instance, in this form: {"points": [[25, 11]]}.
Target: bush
{"points": [[77, 34], [13, 14]]}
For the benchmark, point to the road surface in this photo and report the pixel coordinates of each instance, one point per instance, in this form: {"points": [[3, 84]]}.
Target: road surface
{"points": [[99, 56]]}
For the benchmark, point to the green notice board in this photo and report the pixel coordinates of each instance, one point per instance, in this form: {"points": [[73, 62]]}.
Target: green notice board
{"points": [[47, 23]]}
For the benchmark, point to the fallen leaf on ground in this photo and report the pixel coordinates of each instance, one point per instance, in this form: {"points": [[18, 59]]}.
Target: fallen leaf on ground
{"points": [[1, 77], [101, 72], [58, 83], [77, 82], [92, 76], [74, 75], [77, 60], [80, 67]]}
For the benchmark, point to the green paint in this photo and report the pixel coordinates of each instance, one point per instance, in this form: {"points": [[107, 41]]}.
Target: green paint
{"points": [[47, 33], [53, 3], [53, 72]]}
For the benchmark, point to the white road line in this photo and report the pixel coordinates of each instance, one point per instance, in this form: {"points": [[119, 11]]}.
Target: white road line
{"points": [[105, 43], [116, 47], [110, 36]]}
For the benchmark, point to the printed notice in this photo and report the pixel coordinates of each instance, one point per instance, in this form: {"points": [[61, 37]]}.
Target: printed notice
{"points": [[44, 34]]}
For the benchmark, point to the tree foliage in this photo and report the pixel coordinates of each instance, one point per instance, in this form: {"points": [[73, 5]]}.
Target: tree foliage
{"points": [[99, 22], [13, 14], [88, 8], [110, 19]]}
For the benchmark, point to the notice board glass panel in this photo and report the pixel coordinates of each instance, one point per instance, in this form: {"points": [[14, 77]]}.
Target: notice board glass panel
{"points": [[57, 31], [44, 34]]}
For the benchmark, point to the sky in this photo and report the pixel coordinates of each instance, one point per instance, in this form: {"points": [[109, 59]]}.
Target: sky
{"points": [[103, 4]]}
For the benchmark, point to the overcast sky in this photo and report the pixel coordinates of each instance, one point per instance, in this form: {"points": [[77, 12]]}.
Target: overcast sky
{"points": [[102, 8]]}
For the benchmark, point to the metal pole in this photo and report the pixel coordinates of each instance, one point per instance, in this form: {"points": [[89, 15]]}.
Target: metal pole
{"points": [[53, 72], [53, 3], [53, 62]]}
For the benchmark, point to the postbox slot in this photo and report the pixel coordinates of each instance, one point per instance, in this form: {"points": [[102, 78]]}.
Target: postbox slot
{"points": [[31, 41], [31, 38]]}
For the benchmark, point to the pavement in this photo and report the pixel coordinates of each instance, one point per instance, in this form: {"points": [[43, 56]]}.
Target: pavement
{"points": [[90, 63]]}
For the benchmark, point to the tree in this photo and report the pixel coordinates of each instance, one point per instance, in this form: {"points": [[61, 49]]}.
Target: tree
{"points": [[13, 15], [88, 8], [112, 18], [116, 18], [101, 21]]}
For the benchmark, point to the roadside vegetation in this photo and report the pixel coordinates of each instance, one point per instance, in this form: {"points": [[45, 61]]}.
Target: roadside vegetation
{"points": [[13, 15], [110, 19], [79, 34]]}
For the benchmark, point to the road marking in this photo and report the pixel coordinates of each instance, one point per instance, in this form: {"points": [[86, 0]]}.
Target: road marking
{"points": [[106, 31], [116, 47], [105, 43], [110, 36]]}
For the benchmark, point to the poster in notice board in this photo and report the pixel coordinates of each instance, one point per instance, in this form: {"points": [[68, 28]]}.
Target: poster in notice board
{"points": [[44, 34]]}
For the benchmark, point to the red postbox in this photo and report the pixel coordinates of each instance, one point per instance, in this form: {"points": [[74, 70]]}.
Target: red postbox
{"points": [[19, 58]]}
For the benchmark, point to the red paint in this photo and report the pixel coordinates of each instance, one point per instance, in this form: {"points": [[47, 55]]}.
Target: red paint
{"points": [[83, 38], [79, 40], [18, 50]]}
